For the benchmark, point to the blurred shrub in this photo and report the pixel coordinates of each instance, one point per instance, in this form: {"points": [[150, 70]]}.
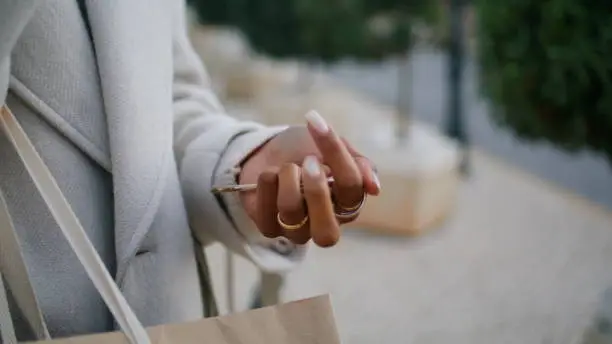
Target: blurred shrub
{"points": [[321, 29], [546, 66]]}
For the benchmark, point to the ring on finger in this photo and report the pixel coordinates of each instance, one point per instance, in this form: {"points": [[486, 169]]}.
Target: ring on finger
{"points": [[350, 212], [289, 227]]}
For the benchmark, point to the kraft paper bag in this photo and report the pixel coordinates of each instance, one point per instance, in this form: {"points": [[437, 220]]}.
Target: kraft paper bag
{"points": [[309, 321], [301, 322]]}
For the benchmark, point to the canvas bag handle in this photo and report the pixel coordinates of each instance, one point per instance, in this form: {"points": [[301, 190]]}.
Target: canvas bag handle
{"points": [[13, 269], [7, 331], [72, 229]]}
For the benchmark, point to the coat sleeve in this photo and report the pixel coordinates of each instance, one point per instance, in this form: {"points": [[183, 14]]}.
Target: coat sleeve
{"points": [[14, 15], [208, 145]]}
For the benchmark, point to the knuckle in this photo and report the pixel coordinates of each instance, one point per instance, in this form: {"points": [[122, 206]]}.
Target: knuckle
{"points": [[289, 176], [288, 167], [351, 183], [366, 163], [289, 200], [328, 238], [291, 209], [317, 192], [267, 177], [301, 240], [365, 160], [270, 231]]}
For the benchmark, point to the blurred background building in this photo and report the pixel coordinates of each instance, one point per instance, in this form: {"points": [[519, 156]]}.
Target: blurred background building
{"points": [[490, 122]]}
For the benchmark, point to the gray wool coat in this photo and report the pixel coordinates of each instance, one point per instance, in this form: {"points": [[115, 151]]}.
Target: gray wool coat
{"points": [[129, 127]]}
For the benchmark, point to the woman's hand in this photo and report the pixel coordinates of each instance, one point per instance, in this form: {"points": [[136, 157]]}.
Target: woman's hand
{"points": [[293, 198]]}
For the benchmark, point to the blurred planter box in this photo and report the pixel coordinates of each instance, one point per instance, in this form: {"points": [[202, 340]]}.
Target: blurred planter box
{"points": [[225, 53], [262, 75], [237, 73], [420, 181]]}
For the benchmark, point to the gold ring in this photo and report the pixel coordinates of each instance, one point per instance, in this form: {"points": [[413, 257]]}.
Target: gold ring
{"points": [[349, 213], [289, 227], [355, 207]]}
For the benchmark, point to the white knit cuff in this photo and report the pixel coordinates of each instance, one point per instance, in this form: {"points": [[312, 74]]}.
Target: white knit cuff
{"points": [[274, 255]]}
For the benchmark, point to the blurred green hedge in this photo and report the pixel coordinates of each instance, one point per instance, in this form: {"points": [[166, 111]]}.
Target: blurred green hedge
{"points": [[324, 30], [546, 66]]}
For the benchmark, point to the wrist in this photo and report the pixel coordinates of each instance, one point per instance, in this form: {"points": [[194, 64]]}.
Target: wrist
{"points": [[252, 164]]}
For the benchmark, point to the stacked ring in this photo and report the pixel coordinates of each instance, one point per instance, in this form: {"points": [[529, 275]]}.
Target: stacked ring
{"points": [[347, 213], [289, 227]]}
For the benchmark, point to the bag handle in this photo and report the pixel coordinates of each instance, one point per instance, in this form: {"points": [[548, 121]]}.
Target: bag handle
{"points": [[7, 331], [13, 268], [72, 229]]}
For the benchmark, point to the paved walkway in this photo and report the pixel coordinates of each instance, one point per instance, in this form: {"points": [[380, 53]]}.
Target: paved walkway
{"points": [[519, 262]]}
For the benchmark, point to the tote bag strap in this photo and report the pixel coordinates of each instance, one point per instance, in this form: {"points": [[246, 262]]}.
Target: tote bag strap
{"points": [[13, 269], [72, 229], [7, 331]]}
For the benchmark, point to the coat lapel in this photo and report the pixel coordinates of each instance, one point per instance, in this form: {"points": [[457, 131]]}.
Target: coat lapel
{"points": [[133, 46]]}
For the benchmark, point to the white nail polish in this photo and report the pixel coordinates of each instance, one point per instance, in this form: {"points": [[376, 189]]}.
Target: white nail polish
{"points": [[311, 166], [376, 180], [317, 122]]}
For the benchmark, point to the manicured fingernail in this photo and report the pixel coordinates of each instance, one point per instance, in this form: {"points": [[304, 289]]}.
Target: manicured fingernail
{"points": [[317, 122], [376, 180], [311, 166]]}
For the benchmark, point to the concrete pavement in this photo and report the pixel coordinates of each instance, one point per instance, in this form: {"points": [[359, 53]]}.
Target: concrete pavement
{"points": [[520, 261]]}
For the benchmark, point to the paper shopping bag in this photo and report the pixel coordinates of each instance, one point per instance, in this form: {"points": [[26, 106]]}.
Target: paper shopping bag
{"points": [[309, 321]]}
